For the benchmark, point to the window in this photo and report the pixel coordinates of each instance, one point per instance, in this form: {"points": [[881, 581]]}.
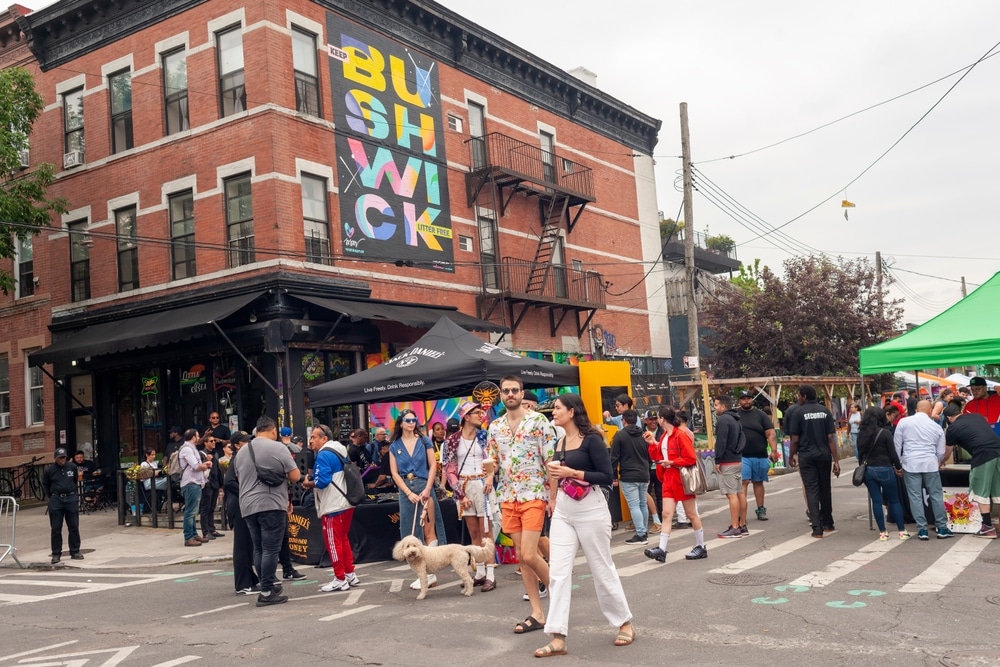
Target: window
{"points": [[454, 123], [558, 267], [239, 221], [548, 156], [128, 249], [488, 247], [315, 220], [25, 267], [175, 91], [306, 72], [73, 120], [79, 260], [182, 236], [4, 392], [477, 130], [35, 398], [120, 85], [232, 87], [465, 243]]}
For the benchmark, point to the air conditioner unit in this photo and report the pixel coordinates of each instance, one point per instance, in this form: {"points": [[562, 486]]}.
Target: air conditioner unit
{"points": [[72, 159], [5, 420], [25, 162]]}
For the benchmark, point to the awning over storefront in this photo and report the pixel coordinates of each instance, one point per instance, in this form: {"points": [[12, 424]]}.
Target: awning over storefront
{"points": [[422, 316], [132, 333]]}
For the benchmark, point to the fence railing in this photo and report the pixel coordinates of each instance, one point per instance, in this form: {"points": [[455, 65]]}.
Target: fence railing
{"points": [[532, 163], [563, 282], [8, 533]]}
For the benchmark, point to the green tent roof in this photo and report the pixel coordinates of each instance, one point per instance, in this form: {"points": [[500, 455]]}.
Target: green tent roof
{"points": [[966, 334]]}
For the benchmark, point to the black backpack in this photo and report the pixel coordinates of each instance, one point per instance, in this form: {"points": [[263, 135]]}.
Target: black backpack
{"points": [[355, 492]]}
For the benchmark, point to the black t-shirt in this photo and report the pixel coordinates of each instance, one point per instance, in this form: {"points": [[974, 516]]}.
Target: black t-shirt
{"points": [[972, 433], [591, 457], [755, 426], [813, 423], [221, 432]]}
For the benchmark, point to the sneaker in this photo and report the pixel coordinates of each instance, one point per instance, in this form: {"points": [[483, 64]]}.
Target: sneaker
{"points": [[944, 533], [271, 598], [700, 551], [922, 535], [903, 535], [883, 537], [682, 524], [657, 554], [762, 514], [744, 531], [817, 533], [188, 543], [293, 575], [543, 592], [730, 533], [637, 539], [352, 579], [76, 556], [432, 581], [336, 585], [656, 528], [989, 532], [252, 590]]}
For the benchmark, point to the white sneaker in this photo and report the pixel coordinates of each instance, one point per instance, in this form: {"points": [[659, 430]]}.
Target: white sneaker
{"points": [[335, 585], [431, 582], [352, 579]]}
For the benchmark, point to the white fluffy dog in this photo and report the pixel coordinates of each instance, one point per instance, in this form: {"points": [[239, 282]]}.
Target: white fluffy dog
{"points": [[426, 560]]}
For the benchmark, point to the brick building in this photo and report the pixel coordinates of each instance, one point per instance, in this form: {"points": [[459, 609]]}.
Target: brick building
{"points": [[264, 196]]}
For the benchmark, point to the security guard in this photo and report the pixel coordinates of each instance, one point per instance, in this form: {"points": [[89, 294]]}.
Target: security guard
{"points": [[59, 481]]}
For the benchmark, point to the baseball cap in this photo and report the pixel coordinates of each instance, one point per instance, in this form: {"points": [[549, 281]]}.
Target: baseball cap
{"points": [[451, 426], [466, 408], [176, 429], [61, 453], [650, 414], [529, 396], [977, 382], [285, 432], [745, 394], [297, 440]]}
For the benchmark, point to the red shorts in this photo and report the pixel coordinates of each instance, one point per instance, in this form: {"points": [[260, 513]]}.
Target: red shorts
{"points": [[673, 487]]}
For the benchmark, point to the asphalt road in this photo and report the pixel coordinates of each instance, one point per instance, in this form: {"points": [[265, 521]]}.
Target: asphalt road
{"points": [[776, 597]]}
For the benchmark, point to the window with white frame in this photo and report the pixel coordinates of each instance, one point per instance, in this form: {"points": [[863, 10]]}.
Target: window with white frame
{"points": [[315, 219], [306, 72], [4, 391], [34, 393], [182, 256], [454, 123], [465, 243], [232, 84], [175, 91], [120, 88], [239, 221], [25, 265], [73, 120], [128, 249]]}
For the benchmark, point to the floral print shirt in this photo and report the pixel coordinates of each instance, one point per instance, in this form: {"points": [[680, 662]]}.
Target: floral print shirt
{"points": [[521, 454]]}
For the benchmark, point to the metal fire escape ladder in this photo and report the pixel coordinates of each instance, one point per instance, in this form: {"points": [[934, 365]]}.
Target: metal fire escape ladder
{"points": [[553, 216]]}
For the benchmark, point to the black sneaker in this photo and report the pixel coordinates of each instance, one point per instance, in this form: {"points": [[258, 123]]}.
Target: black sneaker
{"points": [[271, 598], [637, 539], [657, 554], [730, 533], [293, 575], [252, 590], [817, 533], [697, 553], [744, 531]]}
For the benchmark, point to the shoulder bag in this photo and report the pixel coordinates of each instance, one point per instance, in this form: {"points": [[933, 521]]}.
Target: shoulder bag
{"points": [[693, 479], [573, 488], [267, 477], [859, 473]]}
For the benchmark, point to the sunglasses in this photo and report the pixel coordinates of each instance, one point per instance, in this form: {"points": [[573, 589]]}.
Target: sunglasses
{"points": [[409, 420], [510, 391]]}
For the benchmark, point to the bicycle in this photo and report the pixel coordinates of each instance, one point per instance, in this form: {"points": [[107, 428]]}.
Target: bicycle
{"points": [[13, 483]]}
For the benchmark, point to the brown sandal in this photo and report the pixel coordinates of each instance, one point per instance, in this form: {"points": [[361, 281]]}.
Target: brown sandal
{"points": [[625, 638], [549, 650]]}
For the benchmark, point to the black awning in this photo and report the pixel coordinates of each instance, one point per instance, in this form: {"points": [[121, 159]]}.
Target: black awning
{"points": [[133, 333], [419, 315]]}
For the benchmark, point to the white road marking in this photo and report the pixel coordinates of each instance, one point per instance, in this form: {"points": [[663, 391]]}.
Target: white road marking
{"points": [[766, 556], [349, 612], [673, 557], [50, 647], [947, 567], [398, 568], [178, 661], [845, 566], [119, 655], [353, 598], [396, 586], [82, 587], [212, 611]]}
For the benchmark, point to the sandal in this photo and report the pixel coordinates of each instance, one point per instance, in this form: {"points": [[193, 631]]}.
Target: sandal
{"points": [[529, 624], [550, 650], [625, 638]]}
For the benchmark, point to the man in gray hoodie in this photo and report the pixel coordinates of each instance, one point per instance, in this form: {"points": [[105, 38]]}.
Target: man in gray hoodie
{"points": [[630, 465]]}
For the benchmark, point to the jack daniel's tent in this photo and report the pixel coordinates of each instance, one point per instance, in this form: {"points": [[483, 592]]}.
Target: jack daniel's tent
{"points": [[447, 361]]}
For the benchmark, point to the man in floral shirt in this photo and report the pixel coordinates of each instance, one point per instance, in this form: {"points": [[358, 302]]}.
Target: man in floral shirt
{"points": [[521, 443]]}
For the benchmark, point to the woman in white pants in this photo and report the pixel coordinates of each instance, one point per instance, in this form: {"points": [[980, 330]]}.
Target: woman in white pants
{"points": [[580, 518]]}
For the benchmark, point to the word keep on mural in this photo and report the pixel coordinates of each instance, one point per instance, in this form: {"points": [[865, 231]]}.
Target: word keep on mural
{"points": [[390, 149]]}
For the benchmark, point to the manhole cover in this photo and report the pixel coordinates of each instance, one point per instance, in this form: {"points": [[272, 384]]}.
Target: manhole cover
{"points": [[994, 599], [746, 580], [970, 658], [991, 561]]}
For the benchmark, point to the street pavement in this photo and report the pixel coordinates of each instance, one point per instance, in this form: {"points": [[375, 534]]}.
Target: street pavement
{"points": [[776, 597]]}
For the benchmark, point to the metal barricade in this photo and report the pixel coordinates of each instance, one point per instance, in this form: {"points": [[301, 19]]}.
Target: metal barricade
{"points": [[8, 521]]}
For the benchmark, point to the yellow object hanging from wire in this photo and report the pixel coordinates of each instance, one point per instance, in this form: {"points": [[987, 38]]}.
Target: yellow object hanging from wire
{"points": [[846, 205]]}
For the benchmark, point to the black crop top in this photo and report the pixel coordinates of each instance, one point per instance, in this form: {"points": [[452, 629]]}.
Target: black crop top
{"points": [[591, 457]]}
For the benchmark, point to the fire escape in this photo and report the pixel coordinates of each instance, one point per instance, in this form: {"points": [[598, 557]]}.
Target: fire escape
{"points": [[503, 167]]}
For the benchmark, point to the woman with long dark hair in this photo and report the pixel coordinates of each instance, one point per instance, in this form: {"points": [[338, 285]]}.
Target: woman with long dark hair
{"points": [[580, 518], [875, 448]]}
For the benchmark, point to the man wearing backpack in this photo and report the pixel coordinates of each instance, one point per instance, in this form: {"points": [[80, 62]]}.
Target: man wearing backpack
{"points": [[332, 506], [813, 448], [729, 441]]}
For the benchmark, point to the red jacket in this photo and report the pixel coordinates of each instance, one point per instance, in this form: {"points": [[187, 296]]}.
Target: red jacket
{"points": [[988, 407], [680, 451]]}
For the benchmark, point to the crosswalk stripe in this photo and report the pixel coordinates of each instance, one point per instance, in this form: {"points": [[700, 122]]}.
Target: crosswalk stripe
{"points": [[673, 557], [845, 566], [349, 612], [947, 567], [766, 555]]}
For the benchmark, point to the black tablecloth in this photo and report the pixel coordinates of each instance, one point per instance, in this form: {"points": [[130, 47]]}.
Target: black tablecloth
{"points": [[374, 531]]}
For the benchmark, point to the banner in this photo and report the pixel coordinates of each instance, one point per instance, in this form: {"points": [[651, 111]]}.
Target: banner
{"points": [[391, 167]]}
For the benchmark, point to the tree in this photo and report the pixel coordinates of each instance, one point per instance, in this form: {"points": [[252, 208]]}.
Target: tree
{"points": [[24, 206], [812, 321], [749, 279], [669, 229]]}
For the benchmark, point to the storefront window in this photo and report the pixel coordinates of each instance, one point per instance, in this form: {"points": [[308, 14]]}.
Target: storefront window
{"points": [[151, 395], [128, 441], [224, 385]]}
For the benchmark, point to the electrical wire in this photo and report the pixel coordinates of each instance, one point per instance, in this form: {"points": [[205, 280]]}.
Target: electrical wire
{"points": [[643, 279]]}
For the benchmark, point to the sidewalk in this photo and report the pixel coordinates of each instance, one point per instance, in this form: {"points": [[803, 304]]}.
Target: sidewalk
{"points": [[106, 545]]}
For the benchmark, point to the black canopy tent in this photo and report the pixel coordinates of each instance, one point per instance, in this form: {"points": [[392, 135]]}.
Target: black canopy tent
{"points": [[447, 361]]}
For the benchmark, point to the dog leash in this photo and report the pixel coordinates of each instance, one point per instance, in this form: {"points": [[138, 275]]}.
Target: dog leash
{"points": [[423, 508]]}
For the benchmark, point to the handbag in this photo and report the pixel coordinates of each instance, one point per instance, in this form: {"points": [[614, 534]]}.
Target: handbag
{"points": [[574, 489], [267, 477], [858, 478], [693, 480]]}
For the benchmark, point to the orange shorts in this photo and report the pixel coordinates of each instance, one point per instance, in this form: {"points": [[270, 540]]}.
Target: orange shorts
{"points": [[518, 517]]}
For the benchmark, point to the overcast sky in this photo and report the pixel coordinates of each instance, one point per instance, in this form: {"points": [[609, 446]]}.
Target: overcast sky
{"points": [[754, 74]]}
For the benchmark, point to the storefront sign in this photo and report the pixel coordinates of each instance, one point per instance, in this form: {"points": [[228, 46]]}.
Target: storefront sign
{"points": [[193, 380]]}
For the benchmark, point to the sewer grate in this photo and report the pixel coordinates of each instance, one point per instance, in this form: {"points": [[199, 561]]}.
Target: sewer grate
{"points": [[991, 561], [746, 580], [971, 658], [994, 599]]}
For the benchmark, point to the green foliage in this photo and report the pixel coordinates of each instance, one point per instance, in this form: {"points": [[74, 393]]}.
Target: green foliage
{"points": [[749, 279], [669, 228], [720, 242], [24, 205]]}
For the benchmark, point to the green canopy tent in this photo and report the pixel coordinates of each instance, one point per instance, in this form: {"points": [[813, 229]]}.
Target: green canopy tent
{"points": [[966, 334]]}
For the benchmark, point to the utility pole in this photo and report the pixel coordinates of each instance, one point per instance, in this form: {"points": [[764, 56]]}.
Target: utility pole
{"points": [[689, 268], [964, 293], [878, 281]]}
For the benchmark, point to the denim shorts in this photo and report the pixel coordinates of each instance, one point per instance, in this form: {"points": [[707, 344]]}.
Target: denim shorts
{"points": [[756, 469]]}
